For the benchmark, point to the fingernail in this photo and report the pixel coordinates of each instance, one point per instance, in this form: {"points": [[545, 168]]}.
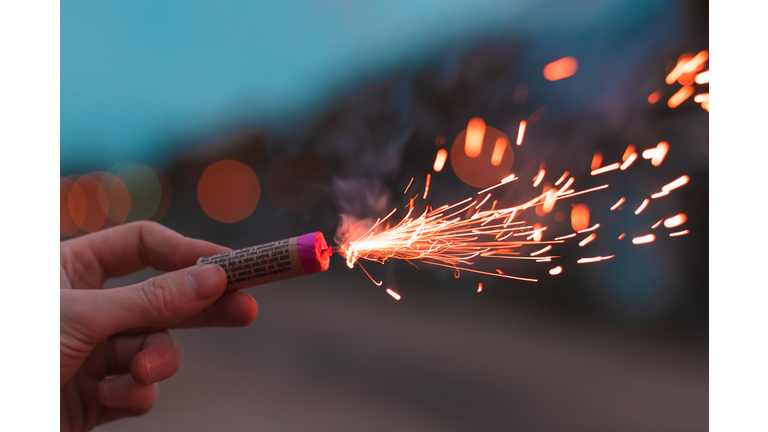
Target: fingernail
{"points": [[205, 281], [154, 365], [113, 391]]}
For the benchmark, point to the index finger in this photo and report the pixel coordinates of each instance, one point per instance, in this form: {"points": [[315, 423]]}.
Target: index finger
{"points": [[129, 248]]}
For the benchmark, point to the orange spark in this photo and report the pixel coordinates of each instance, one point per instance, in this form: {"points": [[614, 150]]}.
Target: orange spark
{"points": [[426, 188], [539, 178], [629, 161], [660, 153], [618, 203], [480, 287], [521, 132], [701, 97], [508, 178], [644, 239], [549, 200], [442, 155], [393, 294], [659, 194], [563, 177], [621, 236], [592, 228], [409, 185], [594, 259], [695, 62], [642, 206], [705, 105], [675, 184], [541, 251], [684, 93], [483, 201], [630, 149], [702, 78], [498, 151], [648, 154], [605, 169], [547, 259], [587, 240], [657, 224], [556, 271], [441, 237], [655, 96], [537, 229], [679, 233], [597, 159], [473, 142], [678, 70], [563, 189], [676, 220], [559, 69]]}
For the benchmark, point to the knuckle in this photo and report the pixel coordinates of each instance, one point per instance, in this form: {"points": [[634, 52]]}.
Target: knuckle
{"points": [[162, 296], [146, 224]]}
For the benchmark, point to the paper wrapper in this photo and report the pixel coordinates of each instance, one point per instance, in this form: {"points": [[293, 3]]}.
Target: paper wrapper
{"points": [[272, 262]]}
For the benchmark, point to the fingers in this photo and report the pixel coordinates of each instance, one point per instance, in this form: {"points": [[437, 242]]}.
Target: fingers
{"points": [[129, 248], [157, 302], [123, 393], [233, 309], [149, 358]]}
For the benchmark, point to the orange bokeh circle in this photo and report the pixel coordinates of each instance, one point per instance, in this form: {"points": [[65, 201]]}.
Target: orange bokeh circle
{"points": [[116, 203], [85, 204], [479, 171], [228, 191], [67, 226]]}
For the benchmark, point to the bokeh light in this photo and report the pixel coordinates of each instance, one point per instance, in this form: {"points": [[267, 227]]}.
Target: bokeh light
{"points": [[67, 226], [560, 69], [84, 205], [442, 155], [296, 182], [498, 151], [676, 220], [580, 217], [228, 191], [684, 93], [479, 171], [117, 205], [143, 186], [474, 137]]}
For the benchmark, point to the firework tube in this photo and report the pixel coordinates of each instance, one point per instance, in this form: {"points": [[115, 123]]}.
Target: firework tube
{"points": [[272, 262]]}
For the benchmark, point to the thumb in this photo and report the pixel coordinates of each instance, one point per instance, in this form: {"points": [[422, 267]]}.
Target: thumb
{"points": [[160, 301]]}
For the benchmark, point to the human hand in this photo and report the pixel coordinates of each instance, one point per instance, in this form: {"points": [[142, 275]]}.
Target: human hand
{"points": [[115, 344]]}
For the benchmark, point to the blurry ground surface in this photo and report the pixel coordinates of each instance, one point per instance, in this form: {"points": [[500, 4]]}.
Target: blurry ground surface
{"points": [[332, 352]]}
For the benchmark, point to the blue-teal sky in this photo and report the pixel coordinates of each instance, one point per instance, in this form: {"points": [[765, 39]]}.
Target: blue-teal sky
{"points": [[134, 75]]}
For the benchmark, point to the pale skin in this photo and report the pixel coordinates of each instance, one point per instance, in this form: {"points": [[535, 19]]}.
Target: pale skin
{"points": [[115, 343]]}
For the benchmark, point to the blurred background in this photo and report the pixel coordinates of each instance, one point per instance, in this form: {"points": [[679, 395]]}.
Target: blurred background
{"points": [[242, 123]]}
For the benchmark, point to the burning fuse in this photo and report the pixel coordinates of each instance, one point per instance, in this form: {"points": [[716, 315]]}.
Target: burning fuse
{"points": [[272, 262]]}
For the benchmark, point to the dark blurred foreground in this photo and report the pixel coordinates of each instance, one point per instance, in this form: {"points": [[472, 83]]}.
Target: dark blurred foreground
{"points": [[332, 352]]}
